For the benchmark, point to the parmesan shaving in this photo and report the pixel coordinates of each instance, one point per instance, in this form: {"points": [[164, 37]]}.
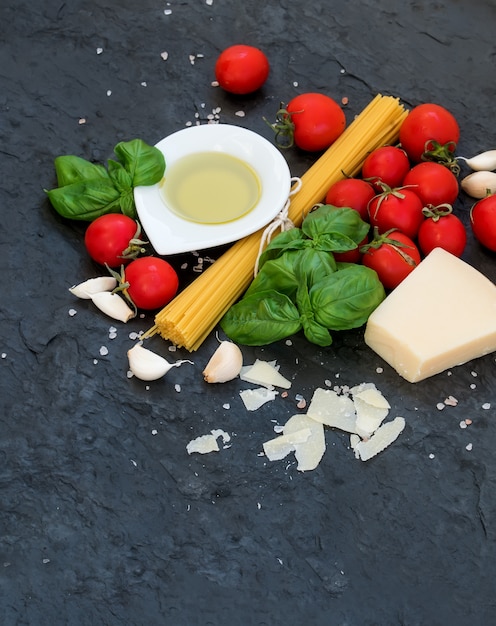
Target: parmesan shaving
{"points": [[372, 409], [253, 399], [331, 409], [264, 373], [279, 447], [309, 453], [380, 440]]}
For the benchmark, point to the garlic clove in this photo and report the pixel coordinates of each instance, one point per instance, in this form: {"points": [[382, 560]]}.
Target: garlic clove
{"points": [[113, 305], [485, 161], [479, 184], [93, 285], [225, 363], [148, 365]]}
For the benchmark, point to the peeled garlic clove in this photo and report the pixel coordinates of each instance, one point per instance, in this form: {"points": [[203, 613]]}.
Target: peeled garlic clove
{"points": [[93, 285], [113, 305], [225, 363], [479, 184], [147, 365], [485, 161]]}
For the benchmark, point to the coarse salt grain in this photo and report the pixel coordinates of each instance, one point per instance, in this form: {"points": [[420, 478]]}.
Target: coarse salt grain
{"points": [[81, 121], [469, 447], [240, 113], [440, 406], [164, 55], [209, 2], [177, 387], [486, 406], [103, 351], [463, 424], [226, 406], [109, 92], [432, 456], [99, 50], [154, 432], [72, 312], [4, 355], [167, 11]]}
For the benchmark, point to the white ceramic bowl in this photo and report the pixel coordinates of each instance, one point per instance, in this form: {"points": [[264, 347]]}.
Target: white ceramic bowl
{"points": [[169, 233]]}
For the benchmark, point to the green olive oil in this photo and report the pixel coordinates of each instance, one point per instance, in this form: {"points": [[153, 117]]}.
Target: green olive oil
{"points": [[210, 188]]}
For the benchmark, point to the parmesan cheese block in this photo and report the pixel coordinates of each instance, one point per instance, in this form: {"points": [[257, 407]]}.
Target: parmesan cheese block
{"points": [[442, 315]]}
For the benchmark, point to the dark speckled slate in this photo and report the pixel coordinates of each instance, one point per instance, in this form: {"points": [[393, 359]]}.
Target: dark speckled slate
{"points": [[104, 518]]}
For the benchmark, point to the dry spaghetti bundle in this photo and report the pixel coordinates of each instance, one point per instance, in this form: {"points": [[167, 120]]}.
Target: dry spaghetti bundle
{"points": [[194, 313]]}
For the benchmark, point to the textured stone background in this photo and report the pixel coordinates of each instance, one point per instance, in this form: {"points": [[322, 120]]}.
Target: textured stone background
{"points": [[104, 522]]}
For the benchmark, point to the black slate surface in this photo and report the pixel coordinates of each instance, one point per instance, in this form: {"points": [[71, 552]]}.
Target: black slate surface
{"points": [[104, 517]]}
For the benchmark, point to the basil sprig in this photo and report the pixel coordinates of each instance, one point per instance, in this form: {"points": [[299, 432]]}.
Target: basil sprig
{"points": [[87, 190], [301, 286]]}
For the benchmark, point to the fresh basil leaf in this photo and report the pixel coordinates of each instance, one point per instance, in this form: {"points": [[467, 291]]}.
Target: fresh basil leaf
{"points": [[120, 176], [261, 318], [278, 275], [335, 226], [312, 265], [127, 205], [73, 169], [345, 299], [292, 239], [85, 200], [144, 163], [313, 331]]}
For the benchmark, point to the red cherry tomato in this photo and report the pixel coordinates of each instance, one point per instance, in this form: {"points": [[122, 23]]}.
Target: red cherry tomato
{"points": [[483, 221], [393, 256], [397, 208], [241, 69], [388, 165], [434, 183], [351, 192], [444, 231], [311, 121], [113, 239], [152, 282], [425, 126]]}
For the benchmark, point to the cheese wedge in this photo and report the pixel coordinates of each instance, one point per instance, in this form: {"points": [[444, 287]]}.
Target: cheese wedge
{"points": [[442, 315]]}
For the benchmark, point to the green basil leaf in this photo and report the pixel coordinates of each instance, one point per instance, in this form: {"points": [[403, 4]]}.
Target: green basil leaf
{"points": [[292, 239], [144, 163], [73, 169], [345, 299], [340, 222], [277, 274], [85, 200], [334, 242], [127, 205], [313, 331], [312, 265], [120, 176], [261, 319]]}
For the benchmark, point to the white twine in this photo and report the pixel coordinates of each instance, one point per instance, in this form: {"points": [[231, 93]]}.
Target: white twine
{"points": [[281, 221]]}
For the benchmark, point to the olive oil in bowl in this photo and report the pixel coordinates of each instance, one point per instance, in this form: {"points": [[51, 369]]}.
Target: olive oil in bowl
{"points": [[210, 188]]}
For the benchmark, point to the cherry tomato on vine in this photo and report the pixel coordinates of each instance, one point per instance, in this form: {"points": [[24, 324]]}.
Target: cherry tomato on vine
{"points": [[430, 132], [241, 69], [150, 282], [113, 239], [442, 231], [483, 221], [388, 165], [397, 208], [311, 121], [351, 192], [434, 183], [393, 256]]}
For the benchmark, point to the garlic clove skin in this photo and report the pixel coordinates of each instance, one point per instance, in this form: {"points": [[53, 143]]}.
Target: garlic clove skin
{"points": [[485, 161], [148, 365], [479, 184], [93, 285], [113, 305], [225, 363]]}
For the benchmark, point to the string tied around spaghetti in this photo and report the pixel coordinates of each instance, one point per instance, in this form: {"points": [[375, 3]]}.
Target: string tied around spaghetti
{"points": [[281, 221]]}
